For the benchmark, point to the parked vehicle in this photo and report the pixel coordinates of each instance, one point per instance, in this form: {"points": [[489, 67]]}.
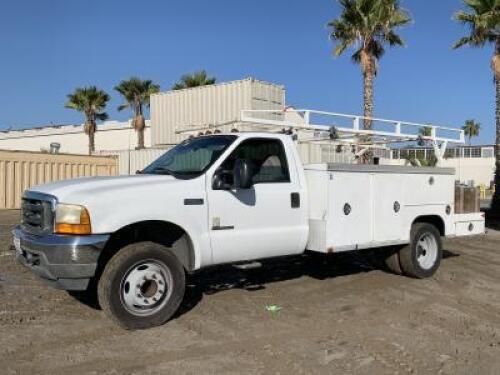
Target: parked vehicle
{"points": [[228, 198]]}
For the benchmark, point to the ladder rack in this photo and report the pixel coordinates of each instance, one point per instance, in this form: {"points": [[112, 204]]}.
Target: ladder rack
{"points": [[342, 128], [355, 130]]}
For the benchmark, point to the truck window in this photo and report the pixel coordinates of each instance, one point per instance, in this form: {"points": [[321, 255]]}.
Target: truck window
{"points": [[191, 158], [267, 156]]}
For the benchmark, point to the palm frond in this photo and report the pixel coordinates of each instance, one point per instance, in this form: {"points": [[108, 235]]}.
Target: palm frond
{"points": [[482, 17], [368, 25], [136, 93], [194, 80], [88, 100], [103, 116], [462, 42], [121, 107]]}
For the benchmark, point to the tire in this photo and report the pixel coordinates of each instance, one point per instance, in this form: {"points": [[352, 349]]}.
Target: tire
{"points": [[392, 262], [422, 257], [142, 286]]}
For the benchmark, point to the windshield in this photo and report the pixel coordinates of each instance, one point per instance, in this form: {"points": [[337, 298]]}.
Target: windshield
{"points": [[191, 158]]}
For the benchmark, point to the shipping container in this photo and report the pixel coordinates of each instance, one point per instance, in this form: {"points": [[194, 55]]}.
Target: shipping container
{"points": [[20, 170], [210, 106]]}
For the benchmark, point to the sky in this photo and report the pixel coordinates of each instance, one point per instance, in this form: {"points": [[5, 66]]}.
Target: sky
{"points": [[50, 47]]}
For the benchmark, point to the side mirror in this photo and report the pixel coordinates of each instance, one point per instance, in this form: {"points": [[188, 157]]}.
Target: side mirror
{"points": [[243, 174]]}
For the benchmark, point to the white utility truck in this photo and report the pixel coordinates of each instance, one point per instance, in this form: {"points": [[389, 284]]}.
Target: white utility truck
{"points": [[233, 197]]}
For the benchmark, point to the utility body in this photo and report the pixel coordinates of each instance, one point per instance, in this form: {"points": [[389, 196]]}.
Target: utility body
{"points": [[228, 198]]}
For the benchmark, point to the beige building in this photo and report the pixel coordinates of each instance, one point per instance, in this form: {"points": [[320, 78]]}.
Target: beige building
{"points": [[110, 136], [473, 164]]}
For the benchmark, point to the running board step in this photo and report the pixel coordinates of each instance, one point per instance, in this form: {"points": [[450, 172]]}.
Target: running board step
{"points": [[247, 266]]}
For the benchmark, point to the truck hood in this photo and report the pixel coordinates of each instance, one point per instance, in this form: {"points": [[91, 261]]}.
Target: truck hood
{"points": [[79, 190], [114, 202]]}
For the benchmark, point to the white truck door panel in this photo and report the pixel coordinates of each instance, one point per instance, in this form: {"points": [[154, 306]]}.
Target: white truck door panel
{"points": [[387, 207], [349, 209], [254, 223], [259, 222]]}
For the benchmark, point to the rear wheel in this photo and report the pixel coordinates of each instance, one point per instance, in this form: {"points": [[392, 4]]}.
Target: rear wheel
{"points": [[392, 261], [142, 286], [422, 257]]}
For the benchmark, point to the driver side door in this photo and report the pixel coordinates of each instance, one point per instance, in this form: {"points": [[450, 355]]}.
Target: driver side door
{"points": [[266, 220]]}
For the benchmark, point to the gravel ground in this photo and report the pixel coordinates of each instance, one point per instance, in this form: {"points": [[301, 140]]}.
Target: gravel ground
{"points": [[339, 315]]}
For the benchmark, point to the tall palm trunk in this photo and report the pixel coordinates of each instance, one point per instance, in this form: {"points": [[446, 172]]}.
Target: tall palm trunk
{"points": [[496, 198], [368, 97], [139, 125], [368, 68], [140, 139], [90, 128], [91, 141]]}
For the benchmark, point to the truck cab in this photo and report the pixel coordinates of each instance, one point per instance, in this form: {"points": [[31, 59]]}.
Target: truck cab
{"points": [[222, 198]]}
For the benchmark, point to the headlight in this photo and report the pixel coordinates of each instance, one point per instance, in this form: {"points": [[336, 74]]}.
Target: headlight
{"points": [[72, 219]]}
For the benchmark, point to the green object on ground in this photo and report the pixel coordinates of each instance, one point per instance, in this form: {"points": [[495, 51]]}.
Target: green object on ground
{"points": [[273, 308]]}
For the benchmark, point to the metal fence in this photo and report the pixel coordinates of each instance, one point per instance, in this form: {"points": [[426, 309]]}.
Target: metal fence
{"points": [[20, 170], [130, 161], [467, 152]]}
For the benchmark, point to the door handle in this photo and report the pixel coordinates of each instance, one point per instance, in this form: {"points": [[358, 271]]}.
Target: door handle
{"points": [[295, 200]]}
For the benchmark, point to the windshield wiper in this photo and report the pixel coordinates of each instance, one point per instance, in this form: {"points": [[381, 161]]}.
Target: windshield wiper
{"points": [[163, 170]]}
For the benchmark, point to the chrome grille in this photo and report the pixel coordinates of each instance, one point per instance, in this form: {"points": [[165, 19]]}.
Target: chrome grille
{"points": [[36, 215]]}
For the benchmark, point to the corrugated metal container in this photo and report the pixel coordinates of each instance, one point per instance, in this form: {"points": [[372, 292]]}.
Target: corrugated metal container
{"points": [[130, 161], [208, 106], [20, 170], [314, 153]]}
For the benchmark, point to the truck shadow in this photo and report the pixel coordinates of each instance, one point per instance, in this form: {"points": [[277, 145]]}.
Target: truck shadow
{"points": [[222, 278], [317, 266]]}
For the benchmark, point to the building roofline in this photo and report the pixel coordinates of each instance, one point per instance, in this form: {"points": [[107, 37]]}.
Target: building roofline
{"points": [[55, 126], [251, 79], [52, 129]]}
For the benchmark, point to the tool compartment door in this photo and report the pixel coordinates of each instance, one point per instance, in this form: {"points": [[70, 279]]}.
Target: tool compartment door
{"points": [[387, 207], [469, 224], [349, 209]]}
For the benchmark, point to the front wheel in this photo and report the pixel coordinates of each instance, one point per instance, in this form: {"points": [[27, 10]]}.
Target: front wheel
{"points": [[142, 286], [422, 257]]}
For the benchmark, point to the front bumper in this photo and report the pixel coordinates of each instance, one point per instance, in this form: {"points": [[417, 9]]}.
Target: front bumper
{"points": [[65, 262]]}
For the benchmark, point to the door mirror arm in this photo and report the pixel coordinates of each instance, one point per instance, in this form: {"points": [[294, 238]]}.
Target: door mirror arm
{"points": [[218, 182]]}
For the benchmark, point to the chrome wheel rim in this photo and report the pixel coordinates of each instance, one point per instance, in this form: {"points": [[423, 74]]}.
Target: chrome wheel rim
{"points": [[146, 287], [427, 251]]}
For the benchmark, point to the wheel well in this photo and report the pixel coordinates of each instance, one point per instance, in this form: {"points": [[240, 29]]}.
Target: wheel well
{"points": [[435, 220], [161, 232]]}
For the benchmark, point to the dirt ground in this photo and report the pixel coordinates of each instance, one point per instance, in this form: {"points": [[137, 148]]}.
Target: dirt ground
{"points": [[339, 316]]}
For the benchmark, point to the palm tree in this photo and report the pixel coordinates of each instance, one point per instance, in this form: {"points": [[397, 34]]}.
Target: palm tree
{"points": [[482, 17], [91, 101], [422, 162], [194, 80], [136, 93], [425, 131], [471, 129], [366, 26]]}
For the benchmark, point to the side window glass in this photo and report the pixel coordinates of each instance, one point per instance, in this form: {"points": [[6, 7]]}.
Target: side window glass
{"points": [[267, 157]]}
